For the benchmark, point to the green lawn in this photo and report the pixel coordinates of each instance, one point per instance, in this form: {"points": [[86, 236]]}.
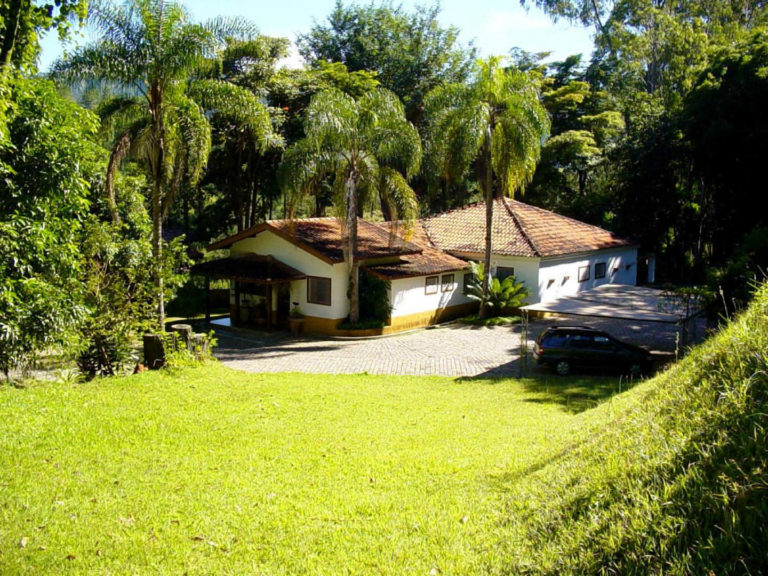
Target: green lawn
{"points": [[217, 471]]}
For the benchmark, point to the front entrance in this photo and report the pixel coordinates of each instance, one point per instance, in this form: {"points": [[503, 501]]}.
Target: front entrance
{"points": [[283, 305], [262, 306]]}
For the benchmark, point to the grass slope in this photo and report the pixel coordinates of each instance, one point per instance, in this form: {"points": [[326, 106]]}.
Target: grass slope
{"points": [[672, 478], [217, 471]]}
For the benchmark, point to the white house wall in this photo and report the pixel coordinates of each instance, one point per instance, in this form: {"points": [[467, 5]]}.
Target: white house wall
{"points": [[408, 295], [560, 276], [526, 270], [269, 244]]}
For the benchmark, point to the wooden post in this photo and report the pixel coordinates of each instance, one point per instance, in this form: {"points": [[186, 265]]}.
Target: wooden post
{"points": [[184, 334], [268, 301], [154, 351]]}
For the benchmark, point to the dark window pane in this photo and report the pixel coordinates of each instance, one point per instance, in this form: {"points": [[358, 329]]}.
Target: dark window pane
{"points": [[430, 284], [504, 272], [600, 270], [467, 281], [319, 290]]}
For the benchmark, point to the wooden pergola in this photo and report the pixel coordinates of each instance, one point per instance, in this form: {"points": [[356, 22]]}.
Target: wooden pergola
{"points": [[254, 269]]}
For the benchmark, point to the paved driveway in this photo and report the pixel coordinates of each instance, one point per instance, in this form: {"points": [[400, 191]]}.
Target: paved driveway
{"points": [[448, 350], [451, 350]]}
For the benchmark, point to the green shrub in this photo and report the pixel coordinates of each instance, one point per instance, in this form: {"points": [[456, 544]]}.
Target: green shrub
{"points": [[503, 295]]}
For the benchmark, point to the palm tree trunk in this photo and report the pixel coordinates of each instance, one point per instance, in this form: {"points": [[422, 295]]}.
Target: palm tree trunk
{"points": [[350, 191], [157, 160], [157, 249], [488, 190]]}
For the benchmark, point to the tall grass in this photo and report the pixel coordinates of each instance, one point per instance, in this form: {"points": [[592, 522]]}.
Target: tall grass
{"points": [[669, 478]]}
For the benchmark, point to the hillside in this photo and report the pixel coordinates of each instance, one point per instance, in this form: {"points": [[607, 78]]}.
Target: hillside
{"points": [[671, 477]]}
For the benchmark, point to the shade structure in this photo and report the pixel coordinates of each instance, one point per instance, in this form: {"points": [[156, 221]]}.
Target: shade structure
{"points": [[251, 268]]}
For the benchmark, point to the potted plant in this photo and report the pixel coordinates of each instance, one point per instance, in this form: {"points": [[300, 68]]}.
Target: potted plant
{"points": [[295, 319]]}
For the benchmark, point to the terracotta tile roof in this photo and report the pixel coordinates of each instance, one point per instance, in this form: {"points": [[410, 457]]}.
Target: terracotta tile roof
{"points": [[430, 261], [324, 238], [519, 229]]}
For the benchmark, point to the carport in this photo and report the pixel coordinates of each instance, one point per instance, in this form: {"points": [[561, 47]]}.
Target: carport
{"points": [[636, 305]]}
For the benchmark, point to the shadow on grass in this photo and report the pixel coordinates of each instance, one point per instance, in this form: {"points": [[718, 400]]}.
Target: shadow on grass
{"points": [[575, 393]]}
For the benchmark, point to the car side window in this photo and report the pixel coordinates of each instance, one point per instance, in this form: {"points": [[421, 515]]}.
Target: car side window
{"points": [[581, 341], [603, 343], [555, 340]]}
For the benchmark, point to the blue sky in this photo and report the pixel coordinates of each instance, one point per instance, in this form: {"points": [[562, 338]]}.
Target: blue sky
{"points": [[496, 26]]}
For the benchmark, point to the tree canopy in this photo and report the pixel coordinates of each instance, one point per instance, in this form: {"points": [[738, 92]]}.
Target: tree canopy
{"points": [[410, 52]]}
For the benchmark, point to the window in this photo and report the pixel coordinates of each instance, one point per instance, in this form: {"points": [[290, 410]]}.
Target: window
{"points": [[603, 343], [447, 280], [430, 285], [599, 270], [467, 282], [319, 290], [581, 341], [583, 273], [504, 272]]}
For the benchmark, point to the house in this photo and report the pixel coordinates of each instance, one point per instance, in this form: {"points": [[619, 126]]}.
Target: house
{"points": [[283, 263], [554, 255]]}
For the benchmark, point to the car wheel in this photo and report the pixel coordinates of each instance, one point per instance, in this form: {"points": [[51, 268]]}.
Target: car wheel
{"points": [[563, 367]]}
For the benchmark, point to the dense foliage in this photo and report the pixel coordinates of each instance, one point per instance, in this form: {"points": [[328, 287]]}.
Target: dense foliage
{"points": [[410, 52], [44, 166]]}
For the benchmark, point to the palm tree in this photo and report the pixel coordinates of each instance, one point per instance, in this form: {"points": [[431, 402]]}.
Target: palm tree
{"points": [[496, 120], [153, 55], [368, 149]]}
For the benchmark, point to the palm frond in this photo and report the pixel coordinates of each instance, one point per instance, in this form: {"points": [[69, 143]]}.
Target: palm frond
{"points": [[332, 120], [106, 60], [195, 137], [398, 196], [237, 103], [224, 28]]}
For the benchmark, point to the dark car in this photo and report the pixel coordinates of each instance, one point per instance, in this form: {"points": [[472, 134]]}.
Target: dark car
{"points": [[564, 347]]}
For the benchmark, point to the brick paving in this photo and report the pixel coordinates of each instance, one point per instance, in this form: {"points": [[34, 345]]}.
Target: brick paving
{"points": [[449, 350]]}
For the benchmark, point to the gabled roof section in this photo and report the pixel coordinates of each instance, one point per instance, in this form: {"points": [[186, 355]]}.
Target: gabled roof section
{"points": [[519, 229], [430, 261], [324, 238]]}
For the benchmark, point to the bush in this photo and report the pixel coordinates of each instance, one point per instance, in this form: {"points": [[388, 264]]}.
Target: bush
{"points": [[503, 295]]}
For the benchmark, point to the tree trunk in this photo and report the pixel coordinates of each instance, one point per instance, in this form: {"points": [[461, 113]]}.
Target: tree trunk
{"points": [[157, 160], [350, 191], [157, 251], [11, 32], [488, 192]]}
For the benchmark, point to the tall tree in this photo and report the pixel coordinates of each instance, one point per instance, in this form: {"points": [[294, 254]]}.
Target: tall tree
{"points": [[367, 147], [151, 50], [410, 52], [496, 120], [44, 167]]}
